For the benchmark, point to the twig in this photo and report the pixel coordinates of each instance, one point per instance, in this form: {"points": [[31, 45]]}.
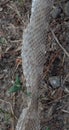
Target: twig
{"points": [[58, 99], [4, 3], [59, 43], [14, 8], [16, 41], [65, 111], [65, 78]]}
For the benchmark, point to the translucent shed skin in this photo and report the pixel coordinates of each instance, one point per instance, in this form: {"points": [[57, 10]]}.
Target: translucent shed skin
{"points": [[33, 57]]}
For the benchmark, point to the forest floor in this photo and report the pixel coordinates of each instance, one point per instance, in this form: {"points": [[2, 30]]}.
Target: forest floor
{"points": [[14, 16], [54, 90]]}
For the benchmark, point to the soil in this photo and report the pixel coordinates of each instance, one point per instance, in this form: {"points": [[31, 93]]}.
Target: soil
{"points": [[54, 89]]}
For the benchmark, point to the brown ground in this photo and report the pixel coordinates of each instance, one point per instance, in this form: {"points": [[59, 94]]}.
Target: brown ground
{"points": [[54, 102]]}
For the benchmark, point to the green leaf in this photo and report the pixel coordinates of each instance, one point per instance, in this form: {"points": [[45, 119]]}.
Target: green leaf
{"points": [[47, 128], [7, 117], [17, 81], [3, 40], [28, 94], [2, 111], [16, 87]]}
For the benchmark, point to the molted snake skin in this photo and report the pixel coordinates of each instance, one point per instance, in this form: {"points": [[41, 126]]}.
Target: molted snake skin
{"points": [[33, 56]]}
